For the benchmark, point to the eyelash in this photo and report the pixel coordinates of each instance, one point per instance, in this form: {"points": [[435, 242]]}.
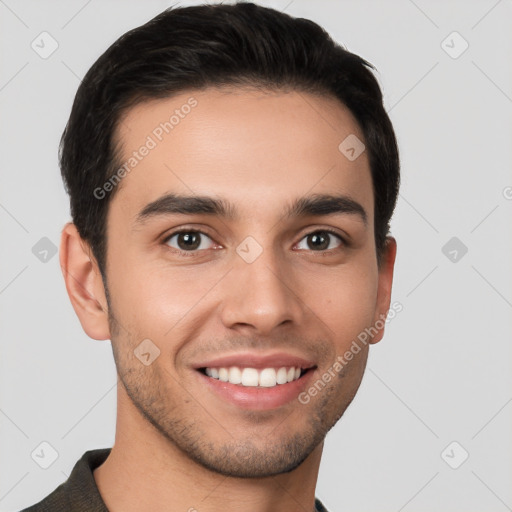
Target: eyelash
{"points": [[195, 252]]}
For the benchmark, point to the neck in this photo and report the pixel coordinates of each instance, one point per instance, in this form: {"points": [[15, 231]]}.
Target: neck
{"points": [[145, 471]]}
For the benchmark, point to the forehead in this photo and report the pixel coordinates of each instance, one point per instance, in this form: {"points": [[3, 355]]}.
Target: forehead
{"points": [[254, 148]]}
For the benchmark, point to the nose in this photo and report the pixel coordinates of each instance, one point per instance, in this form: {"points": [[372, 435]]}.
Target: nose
{"points": [[261, 296]]}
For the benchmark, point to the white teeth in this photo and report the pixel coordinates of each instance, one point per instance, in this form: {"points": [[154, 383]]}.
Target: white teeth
{"points": [[282, 376], [251, 377], [235, 375], [223, 374], [268, 378]]}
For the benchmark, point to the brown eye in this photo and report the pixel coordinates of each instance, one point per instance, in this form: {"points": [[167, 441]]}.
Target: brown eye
{"points": [[187, 240], [322, 240]]}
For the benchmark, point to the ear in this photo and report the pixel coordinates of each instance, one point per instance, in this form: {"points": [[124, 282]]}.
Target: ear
{"points": [[84, 283], [386, 268]]}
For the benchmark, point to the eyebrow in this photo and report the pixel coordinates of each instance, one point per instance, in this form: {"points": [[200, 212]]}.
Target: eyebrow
{"points": [[307, 206]]}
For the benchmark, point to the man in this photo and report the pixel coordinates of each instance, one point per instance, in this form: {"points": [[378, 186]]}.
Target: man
{"points": [[232, 173]]}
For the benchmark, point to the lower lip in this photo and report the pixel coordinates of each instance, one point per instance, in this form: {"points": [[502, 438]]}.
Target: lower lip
{"points": [[257, 398]]}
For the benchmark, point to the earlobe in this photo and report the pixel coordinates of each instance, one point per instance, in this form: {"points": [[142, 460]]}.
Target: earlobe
{"points": [[385, 285], [84, 283]]}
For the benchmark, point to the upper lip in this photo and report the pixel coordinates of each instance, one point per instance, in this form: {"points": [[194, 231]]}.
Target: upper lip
{"points": [[255, 360]]}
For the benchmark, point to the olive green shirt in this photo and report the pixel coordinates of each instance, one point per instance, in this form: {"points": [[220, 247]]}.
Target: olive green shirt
{"points": [[79, 492]]}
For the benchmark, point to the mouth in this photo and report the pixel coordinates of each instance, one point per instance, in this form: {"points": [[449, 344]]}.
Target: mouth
{"points": [[255, 377], [255, 381]]}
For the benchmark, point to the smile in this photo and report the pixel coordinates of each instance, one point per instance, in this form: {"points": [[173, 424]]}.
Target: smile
{"points": [[253, 377]]}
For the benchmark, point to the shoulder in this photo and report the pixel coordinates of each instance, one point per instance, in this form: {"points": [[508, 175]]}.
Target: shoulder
{"points": [[79, 492], [319, 507], [56, 501]]}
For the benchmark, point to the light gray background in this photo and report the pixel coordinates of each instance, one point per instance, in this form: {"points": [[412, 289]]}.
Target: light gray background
{"points": [[442, 372]]}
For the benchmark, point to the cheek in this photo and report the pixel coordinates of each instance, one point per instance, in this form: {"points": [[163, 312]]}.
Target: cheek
{"points": [[346, 301], [152, 297]]}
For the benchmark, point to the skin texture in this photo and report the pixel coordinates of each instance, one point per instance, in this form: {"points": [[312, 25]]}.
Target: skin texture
{"points": [[178, 445]]}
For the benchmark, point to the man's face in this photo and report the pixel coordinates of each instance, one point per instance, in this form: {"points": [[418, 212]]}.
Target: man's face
{"points": [[257, 289]]}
